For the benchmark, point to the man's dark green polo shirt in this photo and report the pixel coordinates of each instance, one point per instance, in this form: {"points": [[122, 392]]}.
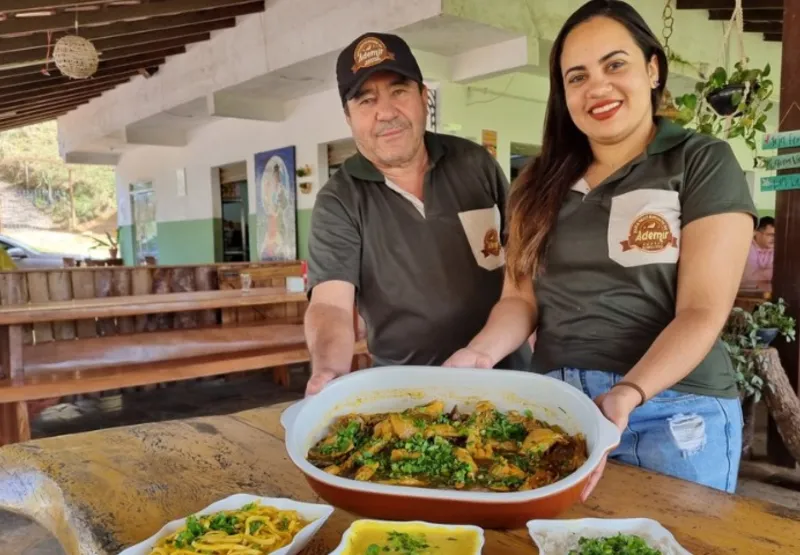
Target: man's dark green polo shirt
{"points": [[427, 273], [611, 272]]}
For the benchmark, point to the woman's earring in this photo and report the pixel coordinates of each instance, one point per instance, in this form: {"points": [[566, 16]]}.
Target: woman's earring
{"points": [[655, 84]]}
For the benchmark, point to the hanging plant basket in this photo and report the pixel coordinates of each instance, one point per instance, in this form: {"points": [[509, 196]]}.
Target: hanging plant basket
{"points": [[726, 101], [75, 57]]}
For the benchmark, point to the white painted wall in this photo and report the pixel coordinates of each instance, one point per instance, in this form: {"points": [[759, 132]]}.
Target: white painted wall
{"points": [[310, 121]]}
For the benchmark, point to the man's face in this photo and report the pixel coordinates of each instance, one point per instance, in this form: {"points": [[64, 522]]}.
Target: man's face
{"points": [[765, 238], [387, 117]]}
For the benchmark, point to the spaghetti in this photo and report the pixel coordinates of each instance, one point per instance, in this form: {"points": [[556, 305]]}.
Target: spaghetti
{"points": [[252, 530]]}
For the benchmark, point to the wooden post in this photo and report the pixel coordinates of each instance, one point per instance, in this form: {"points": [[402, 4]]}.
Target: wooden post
{"points": [[786, 276], [72, 219]]}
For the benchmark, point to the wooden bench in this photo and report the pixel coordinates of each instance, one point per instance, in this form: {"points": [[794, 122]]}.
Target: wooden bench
{"points": [[63, 341]]}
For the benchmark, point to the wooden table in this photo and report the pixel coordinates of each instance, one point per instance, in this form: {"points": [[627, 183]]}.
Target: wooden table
{"points": [[13, 317], [100, 492]]}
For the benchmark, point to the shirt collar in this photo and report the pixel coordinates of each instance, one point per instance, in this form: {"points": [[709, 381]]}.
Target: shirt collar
{"points": [[359, 167], [668, 135]]}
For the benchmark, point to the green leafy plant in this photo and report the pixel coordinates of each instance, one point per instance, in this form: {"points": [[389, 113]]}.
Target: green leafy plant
{"points": [[769, 316], [743, 337], [729, 104], [111, 243]]}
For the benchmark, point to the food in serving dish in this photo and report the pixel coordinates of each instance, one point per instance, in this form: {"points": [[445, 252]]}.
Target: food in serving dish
{"points": [[253, 529], [376, 537], [397, 388], [621, 544], [600, 536], [424, 446]]}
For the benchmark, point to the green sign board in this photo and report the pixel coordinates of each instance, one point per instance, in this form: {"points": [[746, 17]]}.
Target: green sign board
{"points": [[784, 139], [781, 182], [783, 162]]}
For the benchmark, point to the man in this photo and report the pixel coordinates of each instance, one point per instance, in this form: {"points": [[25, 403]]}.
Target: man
{"points": [[758, 271], [410, 227]]}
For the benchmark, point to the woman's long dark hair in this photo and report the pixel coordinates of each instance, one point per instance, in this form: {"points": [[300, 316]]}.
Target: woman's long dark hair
{"points": [[538, 193]]}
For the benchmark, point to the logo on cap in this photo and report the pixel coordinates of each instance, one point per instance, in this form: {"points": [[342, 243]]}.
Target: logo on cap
{"points": [[491, 243], [369, 52], [650, 233]]}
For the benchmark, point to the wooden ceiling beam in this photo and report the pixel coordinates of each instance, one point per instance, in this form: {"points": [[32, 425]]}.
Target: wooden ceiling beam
{"points": [[115, 43], [115, 62], [43, 108], [17, 25], [37, 97], [12, 6], [32, 120], [773, 37], [146, 26], [46, 103], [723, 4], [755, 14], [153, 46], [763, 27], [34, 91], [56, 77], [36, 71]]}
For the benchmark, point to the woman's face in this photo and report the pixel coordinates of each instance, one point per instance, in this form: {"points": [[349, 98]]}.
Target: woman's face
{"points": [[607, 81]]}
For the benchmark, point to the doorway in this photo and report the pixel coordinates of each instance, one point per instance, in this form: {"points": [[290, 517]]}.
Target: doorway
{"points": [[521, 154], [235, 212]]}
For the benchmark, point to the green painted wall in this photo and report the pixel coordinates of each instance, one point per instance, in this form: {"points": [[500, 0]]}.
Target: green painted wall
{"points": [[303, 230], [188, 241], [126, 244]]}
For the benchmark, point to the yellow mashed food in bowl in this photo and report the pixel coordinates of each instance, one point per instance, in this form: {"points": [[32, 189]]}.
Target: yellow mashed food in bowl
{"points": [[374, 537]]}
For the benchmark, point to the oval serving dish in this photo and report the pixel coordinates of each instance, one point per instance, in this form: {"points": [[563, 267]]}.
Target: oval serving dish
{"points": [[400, 387], [443, 539]]}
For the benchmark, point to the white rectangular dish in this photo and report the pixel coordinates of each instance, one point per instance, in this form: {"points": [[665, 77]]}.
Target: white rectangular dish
{"points": [[558, 537], [316, 513], [349, 534]]}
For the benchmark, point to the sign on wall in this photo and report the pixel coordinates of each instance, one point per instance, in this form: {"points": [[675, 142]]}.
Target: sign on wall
{"points": [[489, 141], [433, 107], [773, 141]]}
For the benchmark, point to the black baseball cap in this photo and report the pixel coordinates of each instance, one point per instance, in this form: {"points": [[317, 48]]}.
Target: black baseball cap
{"points": [[370, 53]]}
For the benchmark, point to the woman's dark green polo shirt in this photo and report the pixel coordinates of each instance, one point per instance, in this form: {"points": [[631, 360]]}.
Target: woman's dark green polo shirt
{"points": [[611, 271]]}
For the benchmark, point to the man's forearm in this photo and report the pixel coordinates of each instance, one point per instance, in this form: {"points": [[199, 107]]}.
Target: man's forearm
{"points": [[330, 338], [510, 324]]}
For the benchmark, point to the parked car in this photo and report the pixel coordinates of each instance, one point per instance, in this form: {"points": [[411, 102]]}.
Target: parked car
{"points": [[26, 257]]}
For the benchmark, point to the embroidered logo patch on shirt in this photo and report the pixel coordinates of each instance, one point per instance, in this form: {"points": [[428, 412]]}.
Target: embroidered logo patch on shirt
{"points": [[491, 243], [650, 233]]}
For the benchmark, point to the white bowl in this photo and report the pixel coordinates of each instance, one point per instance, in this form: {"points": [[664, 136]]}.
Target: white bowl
{"points": [[342, 547], [317, 514], [557, 537], [399, 387]]}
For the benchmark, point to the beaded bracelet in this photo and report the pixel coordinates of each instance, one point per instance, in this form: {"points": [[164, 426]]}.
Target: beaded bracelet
{"points": [[636, 387]]}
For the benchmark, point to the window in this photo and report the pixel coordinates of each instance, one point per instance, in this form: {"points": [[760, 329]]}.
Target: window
{"points": [[145, 230]]}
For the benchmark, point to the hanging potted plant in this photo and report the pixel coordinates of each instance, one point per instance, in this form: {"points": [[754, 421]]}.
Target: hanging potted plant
{"points": [[726, 104], [730, 105]]}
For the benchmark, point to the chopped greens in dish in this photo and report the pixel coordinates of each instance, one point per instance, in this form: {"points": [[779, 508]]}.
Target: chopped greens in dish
{"points": [[424, 446], [621, 544]]}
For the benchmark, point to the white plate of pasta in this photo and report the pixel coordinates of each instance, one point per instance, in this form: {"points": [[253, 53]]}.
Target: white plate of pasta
{"points": [[241, 524]]}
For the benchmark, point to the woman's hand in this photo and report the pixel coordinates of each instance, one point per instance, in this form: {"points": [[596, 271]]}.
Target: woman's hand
{"points": [[617, 405], [468, 358]]}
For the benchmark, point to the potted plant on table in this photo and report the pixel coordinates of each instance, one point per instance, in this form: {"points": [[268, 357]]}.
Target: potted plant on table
{"points": [[744, 335], [112, 244]]}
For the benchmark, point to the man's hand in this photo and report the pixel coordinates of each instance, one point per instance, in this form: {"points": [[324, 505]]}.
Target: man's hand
{"points": [[468, 358]]}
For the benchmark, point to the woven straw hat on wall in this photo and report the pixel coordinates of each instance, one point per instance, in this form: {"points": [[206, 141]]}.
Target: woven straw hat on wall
{"points": [[75, 57]]}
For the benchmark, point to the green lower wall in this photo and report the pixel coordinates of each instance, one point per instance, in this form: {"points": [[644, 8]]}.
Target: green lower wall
{"points": [[126, 244], [764, 212], [188, 242], [303, 229]]}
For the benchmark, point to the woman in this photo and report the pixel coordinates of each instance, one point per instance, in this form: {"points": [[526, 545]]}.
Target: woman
{"points": [[627, 239]]}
